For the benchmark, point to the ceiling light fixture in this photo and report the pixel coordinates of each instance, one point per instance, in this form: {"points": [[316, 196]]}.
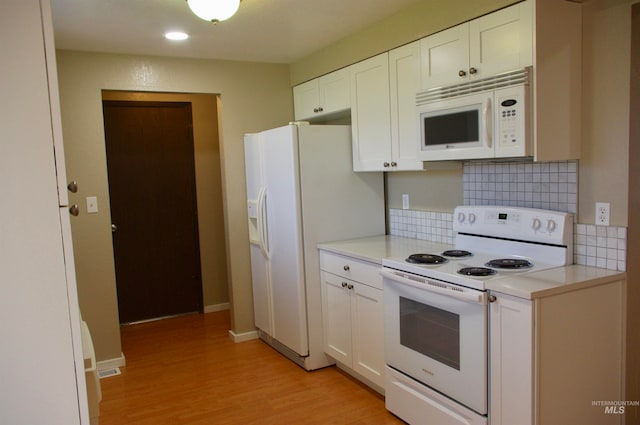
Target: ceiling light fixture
{"points": [[214, 10], [176, 35]]}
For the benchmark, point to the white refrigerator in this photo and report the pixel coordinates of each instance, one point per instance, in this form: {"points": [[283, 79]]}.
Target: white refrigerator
{"points": [[301, 191]]}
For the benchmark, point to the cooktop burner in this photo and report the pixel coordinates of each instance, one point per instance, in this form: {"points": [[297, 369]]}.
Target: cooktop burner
{"points": [[509, 263], [426, 259], [477, 271], [457, 253]]}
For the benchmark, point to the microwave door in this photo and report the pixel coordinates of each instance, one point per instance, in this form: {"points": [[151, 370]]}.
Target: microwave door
{"points": [[458, 128]]}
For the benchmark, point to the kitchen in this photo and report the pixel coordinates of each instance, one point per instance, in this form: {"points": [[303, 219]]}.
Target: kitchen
{"points": [[603, 171]]}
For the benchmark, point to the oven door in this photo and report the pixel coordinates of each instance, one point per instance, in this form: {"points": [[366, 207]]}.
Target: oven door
{"points": [[457, 128], [436, 333]]}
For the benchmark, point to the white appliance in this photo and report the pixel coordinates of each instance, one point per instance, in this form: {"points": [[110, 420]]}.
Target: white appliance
{"points": [[302, 191], [436, 309], [483, 118]]}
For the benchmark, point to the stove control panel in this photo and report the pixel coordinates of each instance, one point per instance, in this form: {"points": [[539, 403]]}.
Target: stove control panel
{"points": [[528, 224]]}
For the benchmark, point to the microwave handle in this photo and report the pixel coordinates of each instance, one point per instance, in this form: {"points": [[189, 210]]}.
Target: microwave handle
{"points": [[425, 284], [488, 122]]}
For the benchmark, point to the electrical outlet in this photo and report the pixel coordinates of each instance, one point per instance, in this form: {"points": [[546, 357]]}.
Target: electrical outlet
{"points": [[602, 213], [405, 201]]}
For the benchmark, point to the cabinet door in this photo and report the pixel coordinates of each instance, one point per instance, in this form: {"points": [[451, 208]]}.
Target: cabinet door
{"points": [[306, 100], [370, 114], [445, 57], [404, 82], [336, 317], [367, 320], [334, 92], [502, 41], [511, 358]]}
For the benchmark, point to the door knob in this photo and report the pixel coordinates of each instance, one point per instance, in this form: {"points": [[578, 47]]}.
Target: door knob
{"points": [[74, 210], [113, 228], [73, 187]]}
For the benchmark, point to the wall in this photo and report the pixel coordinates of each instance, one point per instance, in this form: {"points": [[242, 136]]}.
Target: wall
{"points": [[252, 97], [419, 20], [213, 257], [605, 109], [633, 249]]}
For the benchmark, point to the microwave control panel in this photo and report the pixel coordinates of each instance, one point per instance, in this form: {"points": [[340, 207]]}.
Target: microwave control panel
{"points": [[512, 121], [509, 110]]}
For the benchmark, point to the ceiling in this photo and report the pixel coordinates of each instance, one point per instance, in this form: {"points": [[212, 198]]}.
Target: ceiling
{"points": [[276, 31]]}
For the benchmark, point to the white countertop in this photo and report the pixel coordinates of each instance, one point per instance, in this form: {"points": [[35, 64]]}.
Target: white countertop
{"points": [[555, 281], [375, 248], [527, 285]]}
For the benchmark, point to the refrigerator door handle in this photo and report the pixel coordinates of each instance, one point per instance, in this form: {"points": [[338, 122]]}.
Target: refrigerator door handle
{"points": [[262, 222]]}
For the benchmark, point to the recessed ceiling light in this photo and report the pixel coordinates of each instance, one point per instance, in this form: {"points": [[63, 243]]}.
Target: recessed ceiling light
{"points": [[176, 35]]}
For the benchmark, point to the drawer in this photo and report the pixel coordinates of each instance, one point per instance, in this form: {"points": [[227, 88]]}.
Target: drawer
{"points": [[351, 268]]}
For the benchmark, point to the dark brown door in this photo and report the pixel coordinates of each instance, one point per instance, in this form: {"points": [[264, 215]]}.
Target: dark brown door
{"points": [[153, 208]]}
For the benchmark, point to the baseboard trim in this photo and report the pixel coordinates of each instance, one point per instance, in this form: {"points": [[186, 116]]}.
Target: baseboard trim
{"points": [[246, 336], [216, 307], [111, 363]]}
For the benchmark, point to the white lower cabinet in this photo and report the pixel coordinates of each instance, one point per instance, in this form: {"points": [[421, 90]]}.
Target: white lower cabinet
{"points": [[511, 361], [554, 358], [353, 316]]}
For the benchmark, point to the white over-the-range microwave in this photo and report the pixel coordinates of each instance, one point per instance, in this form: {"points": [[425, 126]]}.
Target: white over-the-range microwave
{"points": [[487, 118]]}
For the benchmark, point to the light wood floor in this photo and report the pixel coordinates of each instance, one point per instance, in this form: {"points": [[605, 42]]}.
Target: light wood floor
{"points": [[186, 370]]}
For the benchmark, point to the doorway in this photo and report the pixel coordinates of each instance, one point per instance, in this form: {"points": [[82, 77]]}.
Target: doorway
{"points": [[152, 189]]}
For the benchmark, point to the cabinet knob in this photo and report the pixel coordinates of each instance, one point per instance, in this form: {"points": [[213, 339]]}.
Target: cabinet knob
{"points": [[492, 298], [346, 268], [73, 187], [461, 73], [344, 284], [473, 71], [394, 164], [320, 109], [74, 210], [315, 110], [386, 165], [349, 286]]}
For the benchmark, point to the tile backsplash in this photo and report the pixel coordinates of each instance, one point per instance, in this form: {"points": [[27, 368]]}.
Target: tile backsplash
{"points": [[425, 225], [544, 185]]}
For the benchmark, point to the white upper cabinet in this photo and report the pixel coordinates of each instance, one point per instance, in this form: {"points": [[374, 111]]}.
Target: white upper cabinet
{"points": [[494, 43], [371, 114], [322, 96], [383, 111], [404, 83]]}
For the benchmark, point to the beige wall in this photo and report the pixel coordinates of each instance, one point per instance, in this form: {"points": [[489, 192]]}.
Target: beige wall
{"points": [[252, 97], [206, 145], [419, 20], [603, 172]]}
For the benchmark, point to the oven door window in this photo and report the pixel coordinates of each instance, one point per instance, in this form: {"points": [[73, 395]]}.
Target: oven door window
{"points": [[430, 331]]}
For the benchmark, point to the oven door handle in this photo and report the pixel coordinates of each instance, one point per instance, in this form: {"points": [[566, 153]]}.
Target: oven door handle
{"points": [[422, 283]]}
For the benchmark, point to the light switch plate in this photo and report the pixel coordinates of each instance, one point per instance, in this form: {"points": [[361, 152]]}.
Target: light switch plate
{"points": [[92, 204]]}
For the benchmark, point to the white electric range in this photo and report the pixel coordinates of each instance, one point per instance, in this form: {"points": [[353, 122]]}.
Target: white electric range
{"points": [[436, 308]]}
